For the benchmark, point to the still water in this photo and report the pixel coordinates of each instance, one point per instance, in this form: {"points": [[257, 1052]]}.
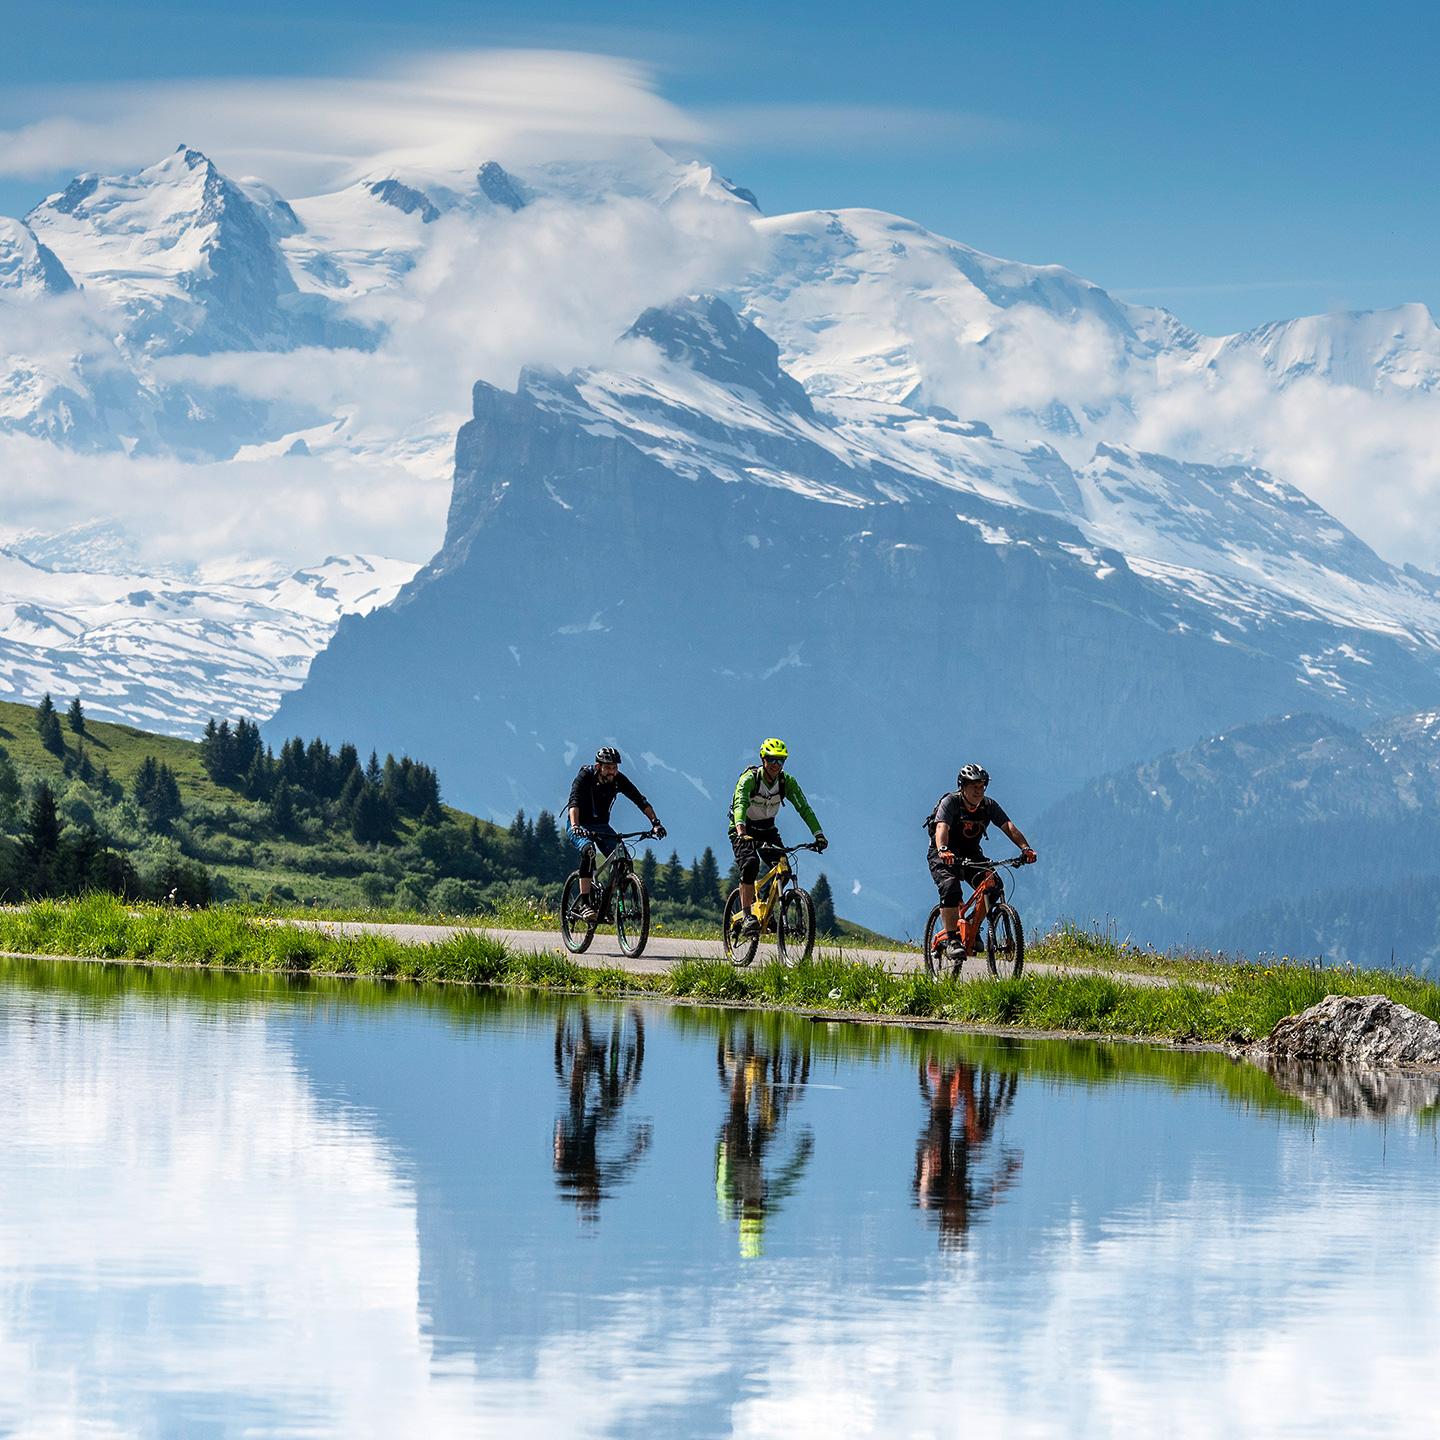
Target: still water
{"points": [[244, 1207]]}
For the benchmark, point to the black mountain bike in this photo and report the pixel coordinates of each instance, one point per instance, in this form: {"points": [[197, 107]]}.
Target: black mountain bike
{"points": [[618, 895], [1004, 934], [781, 906]]}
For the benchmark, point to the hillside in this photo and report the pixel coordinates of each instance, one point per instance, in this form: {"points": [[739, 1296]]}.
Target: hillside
{"points": [[310, 826], [1300, 835]]}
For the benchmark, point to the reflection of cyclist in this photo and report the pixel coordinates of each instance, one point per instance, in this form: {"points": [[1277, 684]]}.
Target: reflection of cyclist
{"points": [[759, 793], [759, 1089], [964, 1109], [957, 828], [597, 1076], [592, 793]]}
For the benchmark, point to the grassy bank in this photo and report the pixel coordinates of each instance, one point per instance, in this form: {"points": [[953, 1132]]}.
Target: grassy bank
{"points": [[1236, 1003]]}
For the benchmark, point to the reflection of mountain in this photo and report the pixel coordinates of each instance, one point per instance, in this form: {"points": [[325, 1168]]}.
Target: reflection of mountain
{"points": [[952, 1180]]}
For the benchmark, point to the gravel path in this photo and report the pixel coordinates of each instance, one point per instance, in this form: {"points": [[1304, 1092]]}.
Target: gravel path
{"points": [[662, 952]]}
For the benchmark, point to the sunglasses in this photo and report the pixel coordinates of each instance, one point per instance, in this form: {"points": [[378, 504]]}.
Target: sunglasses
{"points": [[774, 760]]}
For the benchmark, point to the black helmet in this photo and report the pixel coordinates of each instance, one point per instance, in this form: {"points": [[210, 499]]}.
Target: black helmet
{"points": [[972, 772], [607, 755]]}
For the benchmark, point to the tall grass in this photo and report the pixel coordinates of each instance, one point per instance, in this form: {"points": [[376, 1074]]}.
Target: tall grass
{"points": [[1236, 1003]]}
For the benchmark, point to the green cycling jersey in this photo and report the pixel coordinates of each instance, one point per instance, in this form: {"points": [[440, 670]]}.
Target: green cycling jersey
{"points": [[759, 801]]}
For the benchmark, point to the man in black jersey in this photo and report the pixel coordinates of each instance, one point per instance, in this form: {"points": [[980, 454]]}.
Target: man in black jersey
{"points": [[957, 829], [592, 793]]}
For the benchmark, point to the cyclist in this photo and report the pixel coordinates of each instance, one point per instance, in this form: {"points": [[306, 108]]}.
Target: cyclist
{"points": [[957, 827], [759, 793], [592, 793]]}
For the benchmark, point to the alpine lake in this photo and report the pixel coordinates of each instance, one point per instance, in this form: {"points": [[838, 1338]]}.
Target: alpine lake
{"points": [[251, 1206]]}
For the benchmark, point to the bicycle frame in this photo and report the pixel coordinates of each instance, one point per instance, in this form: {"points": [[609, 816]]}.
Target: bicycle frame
{"points": [[611, 869], [771, 885]]}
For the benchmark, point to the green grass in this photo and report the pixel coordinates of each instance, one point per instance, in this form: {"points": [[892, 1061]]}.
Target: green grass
{"points": [[1241, 1004]]}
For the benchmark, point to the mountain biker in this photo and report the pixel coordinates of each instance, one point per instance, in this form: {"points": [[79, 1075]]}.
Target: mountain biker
{"points": [[759, 793], [957, 827], [592, 793]]}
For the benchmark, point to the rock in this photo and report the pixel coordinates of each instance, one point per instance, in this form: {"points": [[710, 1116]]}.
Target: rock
{"points": [[1366, 1031]]}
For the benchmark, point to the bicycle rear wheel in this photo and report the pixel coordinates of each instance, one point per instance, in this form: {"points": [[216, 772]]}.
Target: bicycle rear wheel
{"points": [[934, 964], [1004, 942], [632, 914], [739, 949], [795, 927], [575, 932]]}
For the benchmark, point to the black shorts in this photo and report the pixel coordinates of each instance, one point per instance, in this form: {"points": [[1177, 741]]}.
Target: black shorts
{"points": [[763, 843], [948, 878]]}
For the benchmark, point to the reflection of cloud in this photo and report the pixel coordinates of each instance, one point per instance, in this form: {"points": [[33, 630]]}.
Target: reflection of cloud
{"points": [[1217, 1313]]}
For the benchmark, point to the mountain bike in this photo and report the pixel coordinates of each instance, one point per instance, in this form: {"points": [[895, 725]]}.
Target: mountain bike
{"points": [[780, 905], [1004, 934], [619, 897]]}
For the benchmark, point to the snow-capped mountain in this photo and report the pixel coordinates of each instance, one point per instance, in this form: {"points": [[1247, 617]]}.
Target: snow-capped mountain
{"points": [[188, 259], [168, 652], [28, 268], [686, 551], [873, 488]]}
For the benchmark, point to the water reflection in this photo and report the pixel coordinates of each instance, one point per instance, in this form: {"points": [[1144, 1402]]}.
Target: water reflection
{"points": [[598, 1070], [1337, 1092], [761, 1082], [955, 1179]]}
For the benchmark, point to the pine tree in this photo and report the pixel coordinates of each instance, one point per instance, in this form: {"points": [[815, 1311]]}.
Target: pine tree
{"points": [[259, 776], [41, 841], [75, 716], [373, 772], [705, 880], [370, 817], [282, 808], [672, 882], [824, 899], [649, 871], [47, 722], [548, 853], [9, 791]]}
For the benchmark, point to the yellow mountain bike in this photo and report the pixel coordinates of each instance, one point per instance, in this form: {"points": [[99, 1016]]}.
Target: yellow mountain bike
{"points": [[781, 907]]}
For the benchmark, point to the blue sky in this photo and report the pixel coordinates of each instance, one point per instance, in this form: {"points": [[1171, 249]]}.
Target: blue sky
{"points": [[1235, 162]]}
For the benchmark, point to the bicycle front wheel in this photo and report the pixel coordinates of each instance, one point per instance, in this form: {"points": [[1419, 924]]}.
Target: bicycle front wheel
{"points": [[739, 949], [575, 932], [795, 930], [934, 964], [632, 915], [1005, 942]]}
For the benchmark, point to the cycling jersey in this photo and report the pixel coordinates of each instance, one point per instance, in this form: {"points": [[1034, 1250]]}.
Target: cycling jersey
{"points": [[967, 827], [758, 800], [593, 797]]}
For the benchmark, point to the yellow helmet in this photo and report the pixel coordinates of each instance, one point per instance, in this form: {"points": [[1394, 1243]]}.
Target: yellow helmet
{"points": [[774, 749]]}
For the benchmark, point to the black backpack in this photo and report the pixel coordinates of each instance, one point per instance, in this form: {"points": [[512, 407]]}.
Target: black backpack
{"points": [[930, 819]]}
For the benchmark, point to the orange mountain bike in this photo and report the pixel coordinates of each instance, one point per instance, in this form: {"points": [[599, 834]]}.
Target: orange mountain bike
{"points": [[1004, 934]]}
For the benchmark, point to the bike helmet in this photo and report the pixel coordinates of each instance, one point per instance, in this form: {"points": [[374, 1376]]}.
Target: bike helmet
{"points": [[607, 755], [972, 772], [774, 749]]}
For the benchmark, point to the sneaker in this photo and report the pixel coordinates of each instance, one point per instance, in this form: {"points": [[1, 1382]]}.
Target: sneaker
{"points": [[586, 913], [955, 952], [749, 927]]}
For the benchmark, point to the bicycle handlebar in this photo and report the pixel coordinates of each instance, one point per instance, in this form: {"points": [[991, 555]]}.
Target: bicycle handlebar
{"points": [[1013, 863]]}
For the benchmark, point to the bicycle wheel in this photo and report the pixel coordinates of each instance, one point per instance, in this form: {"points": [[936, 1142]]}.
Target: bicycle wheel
{"points": [[575, 932], [632, 914], [795, 927], [934, 964], [739, 949], [1005, 942]]}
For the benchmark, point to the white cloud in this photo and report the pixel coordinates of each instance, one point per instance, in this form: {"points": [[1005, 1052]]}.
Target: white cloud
{"points": [[429, 110]]}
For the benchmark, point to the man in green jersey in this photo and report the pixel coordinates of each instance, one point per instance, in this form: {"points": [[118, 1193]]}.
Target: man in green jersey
{"points": [[759, 793]]}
